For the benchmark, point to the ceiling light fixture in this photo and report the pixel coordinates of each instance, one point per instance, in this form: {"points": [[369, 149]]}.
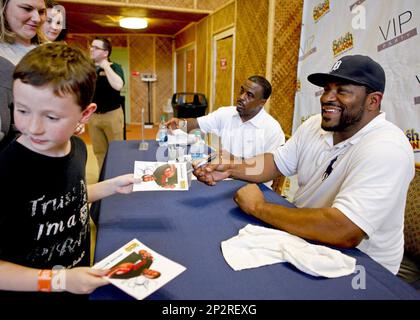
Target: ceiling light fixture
{"points": [[133, 23]]}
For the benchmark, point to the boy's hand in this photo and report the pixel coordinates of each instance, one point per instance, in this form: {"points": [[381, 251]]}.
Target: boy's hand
{"points": [[124, 184], [84, 280]]}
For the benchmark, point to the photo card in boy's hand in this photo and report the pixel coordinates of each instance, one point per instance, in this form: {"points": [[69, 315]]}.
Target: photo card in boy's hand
{"points": [[138, 270]]}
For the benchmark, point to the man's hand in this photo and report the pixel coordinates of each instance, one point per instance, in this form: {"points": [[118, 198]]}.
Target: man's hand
{"points": [[249, 198], [210, 174], [175, 123], [104, 63], [216, 171]]}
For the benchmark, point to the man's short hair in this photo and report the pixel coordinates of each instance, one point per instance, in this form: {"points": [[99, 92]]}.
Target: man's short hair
{"points": [[68, 70], [106, 43], [263, 82]]}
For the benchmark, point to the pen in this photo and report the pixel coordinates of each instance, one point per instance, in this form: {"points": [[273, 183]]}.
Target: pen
{"points": [[206, 160]]}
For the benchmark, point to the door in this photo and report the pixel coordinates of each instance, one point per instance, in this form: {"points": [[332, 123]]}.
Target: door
{"points": [[223, 69], [180, 63], [190, 70]]}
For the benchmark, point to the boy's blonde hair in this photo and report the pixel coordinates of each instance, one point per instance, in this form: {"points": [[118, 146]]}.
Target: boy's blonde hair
{"points": [[67, 69]]}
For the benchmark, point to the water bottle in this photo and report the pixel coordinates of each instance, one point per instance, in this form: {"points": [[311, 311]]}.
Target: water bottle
{"points": [[162, 134], [198, 147]]}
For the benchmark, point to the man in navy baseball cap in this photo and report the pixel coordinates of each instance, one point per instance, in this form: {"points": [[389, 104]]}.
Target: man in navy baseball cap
{"points": [[353, 166], [352, 96], [355, 69]]}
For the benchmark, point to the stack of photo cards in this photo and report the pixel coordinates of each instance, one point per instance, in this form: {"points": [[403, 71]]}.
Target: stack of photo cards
{"points": [[138, 270], [160, 176]]}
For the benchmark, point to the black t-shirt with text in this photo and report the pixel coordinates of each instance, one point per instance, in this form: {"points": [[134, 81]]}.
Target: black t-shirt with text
{"points": [[44, 218]]}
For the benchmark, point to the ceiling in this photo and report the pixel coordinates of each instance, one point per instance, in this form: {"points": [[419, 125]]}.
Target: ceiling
{"points": [[103, 18]]}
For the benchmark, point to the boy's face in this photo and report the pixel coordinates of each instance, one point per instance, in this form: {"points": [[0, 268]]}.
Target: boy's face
{"points": [[45, 120]]}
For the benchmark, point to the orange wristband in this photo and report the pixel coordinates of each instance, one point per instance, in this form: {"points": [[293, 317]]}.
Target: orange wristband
{"points": [[44, 280]]}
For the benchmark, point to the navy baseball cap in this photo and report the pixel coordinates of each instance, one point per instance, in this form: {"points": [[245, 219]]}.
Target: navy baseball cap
{"points": [[356, 69]]}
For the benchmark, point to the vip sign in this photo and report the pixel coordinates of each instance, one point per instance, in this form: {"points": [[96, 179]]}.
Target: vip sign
{"points": [[307, 48], [397, 29]]}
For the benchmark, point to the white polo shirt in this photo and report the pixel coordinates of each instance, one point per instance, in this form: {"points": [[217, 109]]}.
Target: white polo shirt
{"points": [[368, 181], [247, 139]]}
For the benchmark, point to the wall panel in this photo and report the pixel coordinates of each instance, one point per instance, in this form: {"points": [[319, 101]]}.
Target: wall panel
{"points": [[287, 27], [251, 40], [189, 4], [202, 56], [164, 83], [211, 4], [186, 37], [223, 18], [141, 59]]}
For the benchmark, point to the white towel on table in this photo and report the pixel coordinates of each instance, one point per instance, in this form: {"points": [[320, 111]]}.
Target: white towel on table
{"points": [[256, 246]]}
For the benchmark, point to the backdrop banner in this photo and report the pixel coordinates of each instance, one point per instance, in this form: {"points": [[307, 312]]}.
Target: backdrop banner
{"points": [[387, 31]]}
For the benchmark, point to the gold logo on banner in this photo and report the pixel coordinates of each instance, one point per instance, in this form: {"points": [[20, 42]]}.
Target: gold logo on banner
{"points": [[414, 139], [342, 44], [320, 10]]}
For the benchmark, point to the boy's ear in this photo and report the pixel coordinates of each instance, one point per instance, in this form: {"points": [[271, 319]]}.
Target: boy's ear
{"points": [[88, 112]]}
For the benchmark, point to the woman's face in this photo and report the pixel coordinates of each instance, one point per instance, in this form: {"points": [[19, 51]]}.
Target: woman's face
{"points": [[53, 25], [24, 18]]}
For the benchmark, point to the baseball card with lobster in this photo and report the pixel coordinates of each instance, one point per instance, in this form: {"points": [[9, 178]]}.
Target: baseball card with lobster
{"points": [[138, 270]]}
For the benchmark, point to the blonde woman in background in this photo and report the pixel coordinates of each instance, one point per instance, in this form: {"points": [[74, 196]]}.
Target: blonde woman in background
{"points": [[54, 26], [20, 22]]}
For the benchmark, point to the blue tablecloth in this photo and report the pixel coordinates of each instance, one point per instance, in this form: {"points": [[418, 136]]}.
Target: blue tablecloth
{"points": [[188, 227]]}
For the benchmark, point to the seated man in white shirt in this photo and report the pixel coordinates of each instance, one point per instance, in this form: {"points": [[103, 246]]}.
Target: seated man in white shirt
{"points": [[246, 129], [354, 168]]}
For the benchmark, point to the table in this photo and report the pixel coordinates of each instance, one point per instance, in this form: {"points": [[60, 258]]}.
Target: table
{"points": [[188, 227]]}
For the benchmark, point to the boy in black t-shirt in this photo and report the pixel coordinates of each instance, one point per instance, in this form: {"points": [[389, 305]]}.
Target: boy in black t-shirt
{"points": [[44, 218]]}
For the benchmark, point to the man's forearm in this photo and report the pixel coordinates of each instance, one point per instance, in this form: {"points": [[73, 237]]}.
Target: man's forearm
{"points": [[326, 225], [192, 124], [113, 78], [257, 169]]}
